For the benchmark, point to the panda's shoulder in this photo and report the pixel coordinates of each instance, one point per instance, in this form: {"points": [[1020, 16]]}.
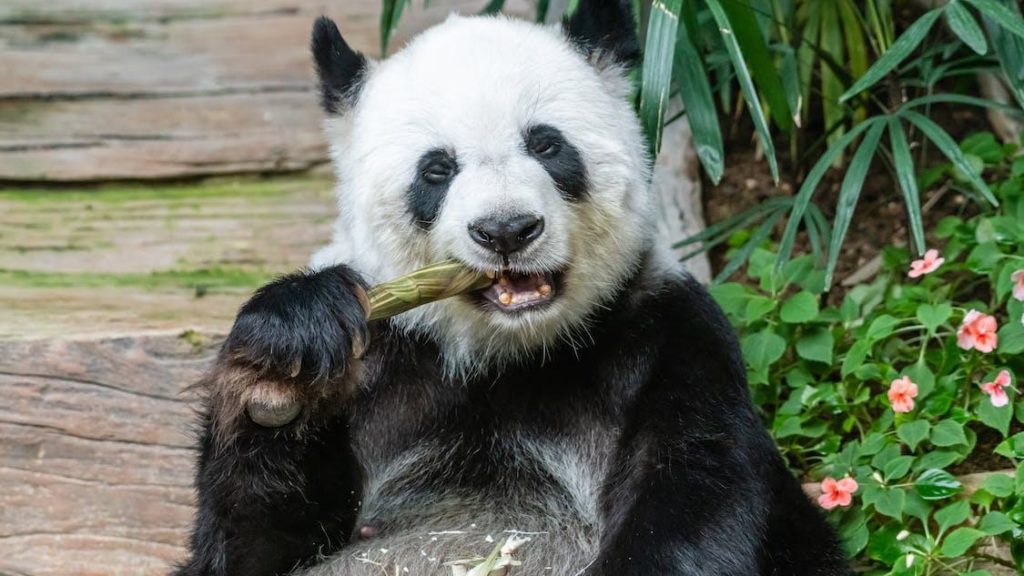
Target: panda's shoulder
{"points": [[665, 299]]}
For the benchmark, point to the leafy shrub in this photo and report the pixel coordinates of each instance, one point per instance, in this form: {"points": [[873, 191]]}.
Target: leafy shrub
{"points": [[830, 379]]}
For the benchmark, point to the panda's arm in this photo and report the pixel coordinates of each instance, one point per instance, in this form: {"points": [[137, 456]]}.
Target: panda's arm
{"points": [[277, 494], [683, 493]]}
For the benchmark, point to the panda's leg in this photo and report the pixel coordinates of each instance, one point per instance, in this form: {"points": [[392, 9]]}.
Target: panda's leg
{"points": [[276, 481], [681, 498]]}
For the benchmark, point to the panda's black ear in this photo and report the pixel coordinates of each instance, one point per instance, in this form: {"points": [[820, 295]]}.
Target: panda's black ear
{"points": [[340, 68], [605, 29]]}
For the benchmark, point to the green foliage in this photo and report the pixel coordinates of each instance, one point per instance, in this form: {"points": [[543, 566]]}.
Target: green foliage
{"points": [[820, 372]]}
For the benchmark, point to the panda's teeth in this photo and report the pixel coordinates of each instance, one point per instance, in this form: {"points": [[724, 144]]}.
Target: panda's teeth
{"points": [[545, 290], [505, 298]]}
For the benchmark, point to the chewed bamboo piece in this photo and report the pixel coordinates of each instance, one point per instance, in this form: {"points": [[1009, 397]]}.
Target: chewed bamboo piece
{"points": [[429, 284]]}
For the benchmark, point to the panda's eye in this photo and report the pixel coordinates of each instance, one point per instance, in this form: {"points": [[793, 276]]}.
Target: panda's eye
{"points": [[544, 141], [437, 171], [546, 148]]}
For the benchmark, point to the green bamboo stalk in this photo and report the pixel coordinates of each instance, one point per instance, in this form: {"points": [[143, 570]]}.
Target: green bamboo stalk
{"points": [[426, 285]]}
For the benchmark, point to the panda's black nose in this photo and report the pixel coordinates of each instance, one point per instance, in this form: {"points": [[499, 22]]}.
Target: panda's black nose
{"points": [[506, 235]]}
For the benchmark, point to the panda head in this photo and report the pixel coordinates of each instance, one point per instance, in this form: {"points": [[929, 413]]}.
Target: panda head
{"points": [[509, 146]]}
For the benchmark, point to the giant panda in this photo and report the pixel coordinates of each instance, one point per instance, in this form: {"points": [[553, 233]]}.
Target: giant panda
{"points": [[592, 402]]}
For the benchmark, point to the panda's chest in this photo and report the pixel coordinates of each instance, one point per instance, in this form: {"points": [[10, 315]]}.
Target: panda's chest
{"points": [[471, 455]]}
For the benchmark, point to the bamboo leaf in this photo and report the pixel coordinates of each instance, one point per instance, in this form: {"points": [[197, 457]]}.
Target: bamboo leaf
{"points": [[739, 64], [948, 147], [756, 239], [493, 7], [1009, 50], [755, 50], [908, 181], [1001, 15], [390, 14], [831, 87], [966, 28], [855, 43], [656, 79], [849, 193], [897, 53], [695, 91], [961, 99], [803, 197]]}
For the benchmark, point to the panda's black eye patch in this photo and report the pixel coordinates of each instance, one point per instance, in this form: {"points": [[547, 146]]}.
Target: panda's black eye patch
{"points": [[435, 171], [559, 158]]}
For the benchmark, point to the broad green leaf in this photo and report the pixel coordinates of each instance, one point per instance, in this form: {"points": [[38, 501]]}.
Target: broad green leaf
{"points": [[801, 307], [948, 433], [935, 484], [897, 53], [948, 147], [936, 459], [959, 541], [996, 522], [816, 345], [1012, 447], [995, 417], [849, 193], [882, 327], [897, 468], [854, 534], [907, 177], [1002, 15], [762, 349], [755, 52], [739, 63], [966, 28], [998, 484], [1011, 337], [855, 356], [695, 90], [656, 77], [803, 197], [932, 316], [922, 375], [955, 513], [890, 502], [913, 433]]}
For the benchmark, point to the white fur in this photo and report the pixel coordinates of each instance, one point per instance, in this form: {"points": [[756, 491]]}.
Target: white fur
{"points": [[473, 84]]}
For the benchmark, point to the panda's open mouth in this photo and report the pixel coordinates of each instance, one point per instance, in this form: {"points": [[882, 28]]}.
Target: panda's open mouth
{"points": [[518, 291]]}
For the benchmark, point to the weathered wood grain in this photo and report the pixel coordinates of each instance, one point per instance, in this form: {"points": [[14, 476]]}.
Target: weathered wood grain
{"points": [[95, 462], [120, 89]]}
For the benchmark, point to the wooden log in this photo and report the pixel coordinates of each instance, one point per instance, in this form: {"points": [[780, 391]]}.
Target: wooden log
{"points": [[96, 462]]}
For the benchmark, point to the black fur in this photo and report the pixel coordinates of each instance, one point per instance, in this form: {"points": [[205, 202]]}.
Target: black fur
{"points": [[696, 485], [434, 174], [271, 499], [339, 68], [606, 27], [560, 159]]}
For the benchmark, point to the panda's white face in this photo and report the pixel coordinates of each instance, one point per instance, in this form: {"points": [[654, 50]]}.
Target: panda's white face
{"points": [[495, 142]]}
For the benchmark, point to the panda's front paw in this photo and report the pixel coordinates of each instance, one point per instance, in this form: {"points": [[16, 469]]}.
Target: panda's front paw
{"points": [[295, 346]]}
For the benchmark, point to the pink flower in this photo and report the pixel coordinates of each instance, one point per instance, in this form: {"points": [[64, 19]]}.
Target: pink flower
{"points": [[836, 492], [996, 389], [930, 263], [1018, 284], [978, 331], [901, 394]]}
